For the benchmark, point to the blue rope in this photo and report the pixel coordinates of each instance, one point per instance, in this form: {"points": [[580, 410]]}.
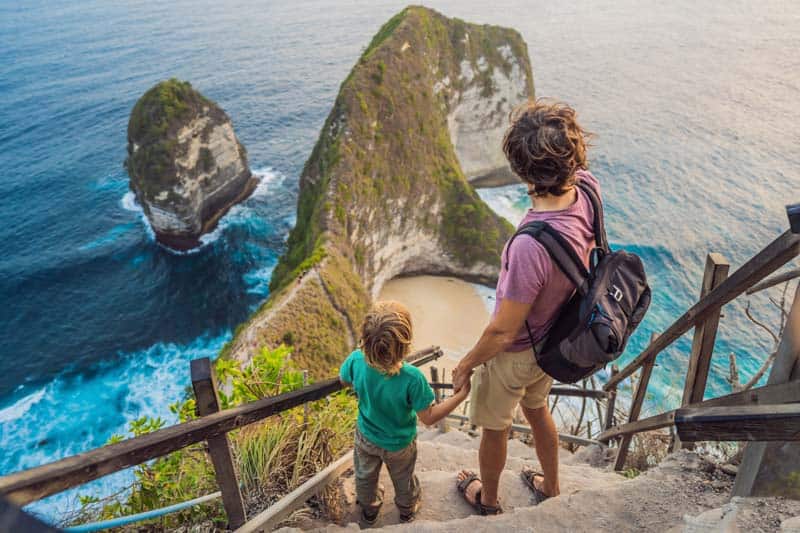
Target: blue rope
{"points": [[154, 513]]}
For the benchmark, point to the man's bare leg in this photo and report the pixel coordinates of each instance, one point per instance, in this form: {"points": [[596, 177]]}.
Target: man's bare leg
{"points": [[545, 438], [492, 460]]}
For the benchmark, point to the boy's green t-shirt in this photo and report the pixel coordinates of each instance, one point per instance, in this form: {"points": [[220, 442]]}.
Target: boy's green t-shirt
{"points": [[387, 405]]}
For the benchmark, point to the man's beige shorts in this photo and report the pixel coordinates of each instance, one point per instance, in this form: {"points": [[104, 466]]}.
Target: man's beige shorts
{"points": [[509, 379]]}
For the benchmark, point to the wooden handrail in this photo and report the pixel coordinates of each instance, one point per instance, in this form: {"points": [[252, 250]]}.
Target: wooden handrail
{"points": [[740, 423], [776, 254], [767, 395], [555, 390], [777, 279], [42, 481]]}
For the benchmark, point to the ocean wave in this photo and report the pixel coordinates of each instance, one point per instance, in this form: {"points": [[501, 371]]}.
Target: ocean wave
{"points": [[237, 215], [78, 412], [21, 407]]}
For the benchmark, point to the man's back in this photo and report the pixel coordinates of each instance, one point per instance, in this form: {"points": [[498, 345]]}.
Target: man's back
{"points": [[531, 275]]}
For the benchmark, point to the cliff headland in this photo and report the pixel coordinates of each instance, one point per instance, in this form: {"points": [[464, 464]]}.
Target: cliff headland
{"points": [[186, 166], [386, 191]]}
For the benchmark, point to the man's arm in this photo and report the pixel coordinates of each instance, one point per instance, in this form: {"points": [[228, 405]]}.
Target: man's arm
{"points": [[498, 335]]}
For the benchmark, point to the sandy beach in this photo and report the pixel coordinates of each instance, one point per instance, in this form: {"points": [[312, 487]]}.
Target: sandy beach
{"points": [[446, 312]]}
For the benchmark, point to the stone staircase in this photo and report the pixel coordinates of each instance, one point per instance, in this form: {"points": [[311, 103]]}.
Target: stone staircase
{"points": [[684, 493]]}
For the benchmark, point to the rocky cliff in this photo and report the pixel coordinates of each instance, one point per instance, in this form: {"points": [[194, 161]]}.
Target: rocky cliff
{"points": [[186, 166], [385, 191]]}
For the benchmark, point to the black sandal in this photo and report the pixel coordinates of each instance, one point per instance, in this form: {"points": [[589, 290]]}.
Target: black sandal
{"points": [[528, 475], [483, 510]]}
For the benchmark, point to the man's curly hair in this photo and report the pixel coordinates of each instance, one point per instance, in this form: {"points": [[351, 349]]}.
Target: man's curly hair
{"points": [[545, 146], [386, 336]]}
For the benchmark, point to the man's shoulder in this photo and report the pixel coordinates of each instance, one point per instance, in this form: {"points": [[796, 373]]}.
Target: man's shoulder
{"points": [[588, 177]]}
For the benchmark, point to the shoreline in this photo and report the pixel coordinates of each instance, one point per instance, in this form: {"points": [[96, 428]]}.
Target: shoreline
{"points": [[445, 311]]}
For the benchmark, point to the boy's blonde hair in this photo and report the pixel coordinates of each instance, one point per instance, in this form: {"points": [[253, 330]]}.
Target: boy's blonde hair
{"points": [[386, 336]]}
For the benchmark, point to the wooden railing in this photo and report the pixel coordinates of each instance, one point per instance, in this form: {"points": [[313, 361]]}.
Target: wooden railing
{"points": [[759, 414], [212, 426]]}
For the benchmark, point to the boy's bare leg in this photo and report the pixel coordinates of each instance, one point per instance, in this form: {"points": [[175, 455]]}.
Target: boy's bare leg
{"points": [[545, 438], [492, 460]]}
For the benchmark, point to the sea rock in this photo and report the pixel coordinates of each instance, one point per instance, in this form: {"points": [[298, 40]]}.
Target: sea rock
{"points": [[186, 166], [386, 191]]}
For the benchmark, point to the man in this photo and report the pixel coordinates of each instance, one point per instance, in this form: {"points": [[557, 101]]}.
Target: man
{"points": [[546, 147]]}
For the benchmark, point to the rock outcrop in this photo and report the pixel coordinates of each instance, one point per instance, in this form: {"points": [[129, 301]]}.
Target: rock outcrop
{"points": [[385, 191], [186, 166]]}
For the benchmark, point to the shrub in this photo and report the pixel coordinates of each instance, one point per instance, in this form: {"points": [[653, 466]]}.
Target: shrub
{"points": [[272, 456]]}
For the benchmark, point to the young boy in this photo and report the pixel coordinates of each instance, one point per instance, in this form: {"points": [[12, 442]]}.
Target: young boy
{"points": [[391, 395]]}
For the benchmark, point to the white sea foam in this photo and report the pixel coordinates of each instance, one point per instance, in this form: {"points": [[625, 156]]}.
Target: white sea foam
{"points": [[77, 413], [21, 407], [238, 214]]}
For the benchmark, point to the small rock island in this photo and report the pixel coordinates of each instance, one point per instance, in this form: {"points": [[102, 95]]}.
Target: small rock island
{"points": [[186, 166]]}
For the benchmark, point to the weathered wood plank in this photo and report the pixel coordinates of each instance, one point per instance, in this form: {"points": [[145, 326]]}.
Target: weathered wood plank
{"points": [[705, 334], [555, 390], [766, 395], [573, 439], [36, 483], [776, 254], [646, 424], [612, 402], [280, 510], [739, 423], [777, 279], [437, 395], [636, 408], [207, 402], [767, 468]]}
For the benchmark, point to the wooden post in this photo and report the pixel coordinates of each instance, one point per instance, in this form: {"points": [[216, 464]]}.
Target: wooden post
{"points": [[705, 334], [207, 401], [612, 400], [771, 469], [437, 394], [636, 407], [305, 405]]}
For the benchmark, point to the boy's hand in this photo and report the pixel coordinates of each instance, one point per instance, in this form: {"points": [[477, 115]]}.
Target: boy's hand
{"points": [[463, 392]]}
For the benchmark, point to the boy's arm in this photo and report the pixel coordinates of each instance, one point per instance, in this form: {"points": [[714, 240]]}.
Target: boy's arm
{"points": [[437, 411]]}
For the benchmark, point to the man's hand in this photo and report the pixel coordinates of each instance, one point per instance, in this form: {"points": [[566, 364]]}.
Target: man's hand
{"points": [[461, 377]]}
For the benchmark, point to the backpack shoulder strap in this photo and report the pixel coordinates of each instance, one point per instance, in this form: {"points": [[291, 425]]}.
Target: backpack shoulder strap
{"points": [[600, 237], [560, 251]]}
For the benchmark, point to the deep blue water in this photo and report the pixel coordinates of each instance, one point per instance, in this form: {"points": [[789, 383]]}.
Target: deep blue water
{"points": [[695, 107]]}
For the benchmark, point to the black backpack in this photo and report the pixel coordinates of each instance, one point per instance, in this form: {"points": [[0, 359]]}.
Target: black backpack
{"points": [[610, 300]]}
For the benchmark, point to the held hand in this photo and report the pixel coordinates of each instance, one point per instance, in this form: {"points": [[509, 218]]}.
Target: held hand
{"points": [[461, 378], [463, 393]]}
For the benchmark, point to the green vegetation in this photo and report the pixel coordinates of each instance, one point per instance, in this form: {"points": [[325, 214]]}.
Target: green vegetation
{"points": [[384, 162], [272, 457], [154, 120]]}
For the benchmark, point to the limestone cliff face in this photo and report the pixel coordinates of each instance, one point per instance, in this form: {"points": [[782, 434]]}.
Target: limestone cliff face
{"points": [[185, 163], [479, 103], [385, 191]]}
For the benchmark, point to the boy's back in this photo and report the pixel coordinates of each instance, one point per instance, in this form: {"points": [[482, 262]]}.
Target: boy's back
{"points": [[387, 404]]}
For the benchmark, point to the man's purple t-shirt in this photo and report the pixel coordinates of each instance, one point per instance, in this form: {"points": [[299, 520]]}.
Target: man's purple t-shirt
{"points": [[531, 274]]}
